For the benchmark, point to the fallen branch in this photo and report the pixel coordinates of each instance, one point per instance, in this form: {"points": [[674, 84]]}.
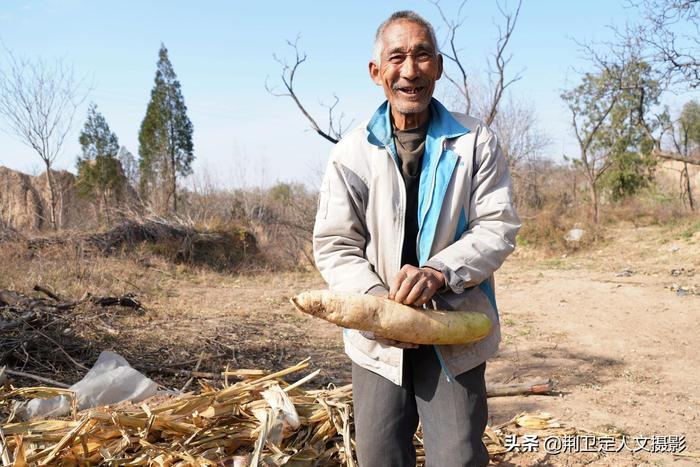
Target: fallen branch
{"points": [[532, 387], [49, 293], [127, 300], [41, 379], [196, 367], [176, 372]]}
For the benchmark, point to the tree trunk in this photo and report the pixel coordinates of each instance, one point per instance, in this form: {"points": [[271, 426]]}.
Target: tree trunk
{"points": [[173, 186], [174, 193], [105, 207], [594, 199], [688, 188], [594, 196], [52, 195]]}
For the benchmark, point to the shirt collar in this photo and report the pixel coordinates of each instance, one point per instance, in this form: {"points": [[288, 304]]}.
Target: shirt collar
{"points": [[442, 124]]}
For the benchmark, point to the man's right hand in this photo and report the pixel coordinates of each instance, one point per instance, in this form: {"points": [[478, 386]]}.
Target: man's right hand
{"points": [[416, 286], [380, 291]]}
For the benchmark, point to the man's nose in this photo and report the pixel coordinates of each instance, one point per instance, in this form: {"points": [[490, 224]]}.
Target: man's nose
{"points": [[409, 70]]}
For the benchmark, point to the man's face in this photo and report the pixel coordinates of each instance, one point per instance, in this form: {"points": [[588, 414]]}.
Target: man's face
{"points": [[408, 68]]}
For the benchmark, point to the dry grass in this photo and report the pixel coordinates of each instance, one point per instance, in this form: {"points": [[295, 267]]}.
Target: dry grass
{"points": [[188, 310]]}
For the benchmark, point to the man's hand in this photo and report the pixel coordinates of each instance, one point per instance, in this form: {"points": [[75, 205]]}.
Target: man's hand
{"points": [[415, 286], [380, 291]]}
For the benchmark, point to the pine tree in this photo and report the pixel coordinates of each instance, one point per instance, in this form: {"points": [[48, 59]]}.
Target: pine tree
{"points": [[165, 137], [99, 171]]}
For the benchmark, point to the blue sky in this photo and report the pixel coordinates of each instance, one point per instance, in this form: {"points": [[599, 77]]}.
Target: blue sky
{"points": [[222, 54]]}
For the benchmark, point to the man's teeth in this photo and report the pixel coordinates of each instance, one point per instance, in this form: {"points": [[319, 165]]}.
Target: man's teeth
{"points": [[411, 90]]}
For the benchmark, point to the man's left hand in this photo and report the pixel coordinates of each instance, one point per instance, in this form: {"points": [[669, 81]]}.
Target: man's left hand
{"points": [[415, 286]]}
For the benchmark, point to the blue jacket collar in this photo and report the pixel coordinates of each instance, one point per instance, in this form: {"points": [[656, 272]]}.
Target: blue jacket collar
{"points": [[442, 124]]}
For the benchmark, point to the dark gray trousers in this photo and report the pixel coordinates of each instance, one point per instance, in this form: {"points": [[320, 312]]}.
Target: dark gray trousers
{"points": [[453, 414]]}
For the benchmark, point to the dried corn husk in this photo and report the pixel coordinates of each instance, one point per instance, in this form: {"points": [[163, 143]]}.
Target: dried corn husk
{"points": [[261, 420]]}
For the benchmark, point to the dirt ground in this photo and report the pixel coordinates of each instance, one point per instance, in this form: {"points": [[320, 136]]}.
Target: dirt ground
{"points": [[609, 325]]}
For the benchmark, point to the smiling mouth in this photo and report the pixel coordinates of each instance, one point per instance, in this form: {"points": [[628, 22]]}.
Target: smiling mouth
{"points": [[411, 91]]}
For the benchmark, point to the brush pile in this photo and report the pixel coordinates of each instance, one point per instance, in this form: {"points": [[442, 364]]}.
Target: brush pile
{"points": [[39, 333], [221, 249]]}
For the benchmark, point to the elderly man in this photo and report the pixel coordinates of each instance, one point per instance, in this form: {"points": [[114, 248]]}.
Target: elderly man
{"points": [[416, 205]]}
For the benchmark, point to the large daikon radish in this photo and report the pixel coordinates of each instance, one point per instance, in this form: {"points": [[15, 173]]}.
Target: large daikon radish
{"points": [[392, 320]]}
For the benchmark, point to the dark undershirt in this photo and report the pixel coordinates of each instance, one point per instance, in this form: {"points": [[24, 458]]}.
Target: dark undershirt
{"points": [[410, 145]]}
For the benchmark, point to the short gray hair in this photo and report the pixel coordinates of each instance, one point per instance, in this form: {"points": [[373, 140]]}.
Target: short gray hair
{"points": [[406, 15]]}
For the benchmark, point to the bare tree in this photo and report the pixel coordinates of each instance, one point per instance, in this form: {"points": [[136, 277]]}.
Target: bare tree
{"points": [[498, 82], [38, 101], [670, 34], [522, 141], [685, 136], [335, 128], [519, 134], [487, 107]]}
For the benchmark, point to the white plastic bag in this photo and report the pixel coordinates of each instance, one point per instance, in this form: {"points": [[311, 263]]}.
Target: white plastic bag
{"points": [[109, 381]]}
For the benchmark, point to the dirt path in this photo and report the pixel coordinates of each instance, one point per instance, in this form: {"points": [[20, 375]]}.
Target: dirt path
{"points": [[621, 345]]}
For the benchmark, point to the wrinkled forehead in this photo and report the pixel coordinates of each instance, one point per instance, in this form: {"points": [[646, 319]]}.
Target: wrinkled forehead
{"points": [[404, 35]]}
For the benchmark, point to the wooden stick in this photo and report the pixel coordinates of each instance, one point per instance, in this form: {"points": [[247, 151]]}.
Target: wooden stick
{"points": [[531, 387], [177, 372], [52, 382], [196, 367], [63, 351], [46, 291]]}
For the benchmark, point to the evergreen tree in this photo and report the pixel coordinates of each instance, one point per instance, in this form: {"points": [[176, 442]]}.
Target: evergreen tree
{"points": [[99, 171], [165, 137]]}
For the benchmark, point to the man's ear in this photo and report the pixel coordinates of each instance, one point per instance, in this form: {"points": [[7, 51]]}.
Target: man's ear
{"points": [[374, 73], [439, 58]]}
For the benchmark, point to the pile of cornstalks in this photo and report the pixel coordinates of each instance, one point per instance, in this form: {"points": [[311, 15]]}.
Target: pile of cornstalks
{"points": [[259, 420]]}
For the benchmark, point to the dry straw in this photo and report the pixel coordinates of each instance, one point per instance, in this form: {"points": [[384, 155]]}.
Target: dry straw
{"points": [[259, 420]]}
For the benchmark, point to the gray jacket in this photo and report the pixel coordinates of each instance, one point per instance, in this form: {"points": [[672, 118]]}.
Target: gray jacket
{"points": [[467, 225]]}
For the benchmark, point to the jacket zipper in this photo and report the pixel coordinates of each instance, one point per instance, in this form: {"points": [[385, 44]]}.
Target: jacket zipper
{"points": [[430, 199], [402, 208], [445, 370], [402, 213]]}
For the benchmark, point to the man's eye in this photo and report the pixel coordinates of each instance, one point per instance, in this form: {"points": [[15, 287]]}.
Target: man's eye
{"points": [[396, 58]]}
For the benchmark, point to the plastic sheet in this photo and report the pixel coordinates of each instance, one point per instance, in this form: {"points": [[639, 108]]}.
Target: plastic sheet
{"points": [[109, 381]]}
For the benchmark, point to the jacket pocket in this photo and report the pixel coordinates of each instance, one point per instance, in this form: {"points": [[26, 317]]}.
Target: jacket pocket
{"points": [[367, 347]]}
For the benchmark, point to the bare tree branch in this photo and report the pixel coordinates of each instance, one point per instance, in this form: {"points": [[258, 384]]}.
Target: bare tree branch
{"points": [[670, 34], [453, 55], [497, 68], [38, 102], [335, 130], [500, 62]]}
